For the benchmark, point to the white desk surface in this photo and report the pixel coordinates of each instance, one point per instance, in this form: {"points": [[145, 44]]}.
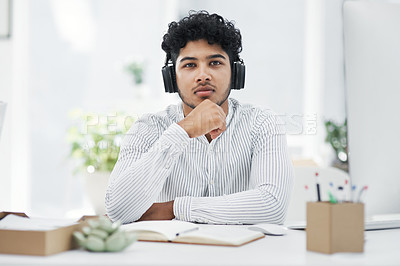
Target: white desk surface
{"points": [[381, 248]]}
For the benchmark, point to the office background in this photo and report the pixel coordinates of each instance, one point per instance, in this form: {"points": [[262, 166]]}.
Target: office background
{"points": [[63, 55]]}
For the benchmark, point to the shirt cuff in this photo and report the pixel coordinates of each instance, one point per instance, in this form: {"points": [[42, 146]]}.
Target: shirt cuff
{"points": [[175, 136], [182, 206]]}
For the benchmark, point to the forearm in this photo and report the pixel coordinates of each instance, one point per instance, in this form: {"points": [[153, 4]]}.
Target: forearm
{"points": [[132, 191], [159, 211], [137, 179], [247, 207]]}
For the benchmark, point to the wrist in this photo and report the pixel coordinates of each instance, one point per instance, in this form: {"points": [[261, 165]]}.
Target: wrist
{"points": [[186, 125], [170, 209]]}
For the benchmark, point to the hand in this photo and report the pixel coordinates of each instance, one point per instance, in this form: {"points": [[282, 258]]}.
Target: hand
{"points": [[206, 118], [159, 211]]}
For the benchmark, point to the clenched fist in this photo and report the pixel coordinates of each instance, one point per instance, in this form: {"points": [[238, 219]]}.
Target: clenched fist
{"points": [[206, 118]]}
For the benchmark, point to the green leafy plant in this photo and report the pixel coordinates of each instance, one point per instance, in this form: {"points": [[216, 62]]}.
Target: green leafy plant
{"points": [[95, 139], [136, 69], [337, 137]]}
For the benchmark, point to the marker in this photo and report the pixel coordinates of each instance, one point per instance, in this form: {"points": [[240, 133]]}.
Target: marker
{"points": [[332, 190], [318, 192], [340, 194], [331, 198], [361, 192]]}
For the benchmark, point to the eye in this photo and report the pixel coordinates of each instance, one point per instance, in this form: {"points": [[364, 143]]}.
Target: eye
{"points": [[190, 65], [215, 63]]}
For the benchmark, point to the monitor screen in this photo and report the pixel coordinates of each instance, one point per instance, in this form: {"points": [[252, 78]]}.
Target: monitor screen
{"points": [[372, 71]]}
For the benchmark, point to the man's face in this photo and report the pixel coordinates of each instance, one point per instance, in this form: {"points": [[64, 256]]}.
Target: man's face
{"points": [[203, 71]]}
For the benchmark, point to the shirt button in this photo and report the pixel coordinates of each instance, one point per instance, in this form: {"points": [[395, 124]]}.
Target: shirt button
{"points": [[212, 182]]}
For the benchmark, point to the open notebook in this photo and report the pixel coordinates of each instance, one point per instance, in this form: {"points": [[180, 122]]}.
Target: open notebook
{"points": [[191, 233]]}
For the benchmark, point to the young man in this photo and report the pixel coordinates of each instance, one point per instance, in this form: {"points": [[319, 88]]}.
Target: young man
{"points": [[209, 159]]}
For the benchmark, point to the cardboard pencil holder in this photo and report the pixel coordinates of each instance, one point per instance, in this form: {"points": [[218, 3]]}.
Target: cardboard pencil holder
{"points": [[336, 227]]}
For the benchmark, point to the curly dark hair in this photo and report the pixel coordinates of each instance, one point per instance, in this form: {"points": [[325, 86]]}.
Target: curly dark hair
{"points": [[202, 25]]}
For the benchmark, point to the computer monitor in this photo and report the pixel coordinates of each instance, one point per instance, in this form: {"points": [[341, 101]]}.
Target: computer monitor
{"points": [[2, 115], [372, 73]]}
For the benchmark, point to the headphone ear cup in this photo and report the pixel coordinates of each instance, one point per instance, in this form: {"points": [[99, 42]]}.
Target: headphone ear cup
{"points": [[169, 78], [238, 75]]}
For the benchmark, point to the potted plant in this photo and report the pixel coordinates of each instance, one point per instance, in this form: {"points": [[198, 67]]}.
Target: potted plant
{"points": [[95, 141], [136, 69]]}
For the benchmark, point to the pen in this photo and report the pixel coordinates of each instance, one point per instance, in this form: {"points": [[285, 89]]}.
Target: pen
{"points": [[187, 231], [361, 192], [318, 192], [353, 188], [309, 197]]}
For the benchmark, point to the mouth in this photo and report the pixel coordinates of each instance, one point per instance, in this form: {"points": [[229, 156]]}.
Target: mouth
{"points": [[204, 91]]}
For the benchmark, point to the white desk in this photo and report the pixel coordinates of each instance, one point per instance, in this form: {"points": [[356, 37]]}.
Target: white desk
{"points": [[381, 248]]}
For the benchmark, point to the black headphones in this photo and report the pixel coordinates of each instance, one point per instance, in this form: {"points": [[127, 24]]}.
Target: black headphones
{"points": [[169, 76]]}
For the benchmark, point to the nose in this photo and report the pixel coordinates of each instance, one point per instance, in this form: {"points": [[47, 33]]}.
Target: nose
{"points": [[203, 74]]}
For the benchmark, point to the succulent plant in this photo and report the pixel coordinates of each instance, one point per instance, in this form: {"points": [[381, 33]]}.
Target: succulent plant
{"points": [[102, 235]]}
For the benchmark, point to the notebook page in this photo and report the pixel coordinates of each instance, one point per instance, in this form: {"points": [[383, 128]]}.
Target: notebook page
{"points": [[235, 235], [167, 228]]}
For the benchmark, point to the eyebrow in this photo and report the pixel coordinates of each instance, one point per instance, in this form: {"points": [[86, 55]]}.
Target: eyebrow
{"points": [[190, 58]]}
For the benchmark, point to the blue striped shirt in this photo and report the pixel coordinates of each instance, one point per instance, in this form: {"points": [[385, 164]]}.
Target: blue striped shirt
{"points": [[244, 176]]}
